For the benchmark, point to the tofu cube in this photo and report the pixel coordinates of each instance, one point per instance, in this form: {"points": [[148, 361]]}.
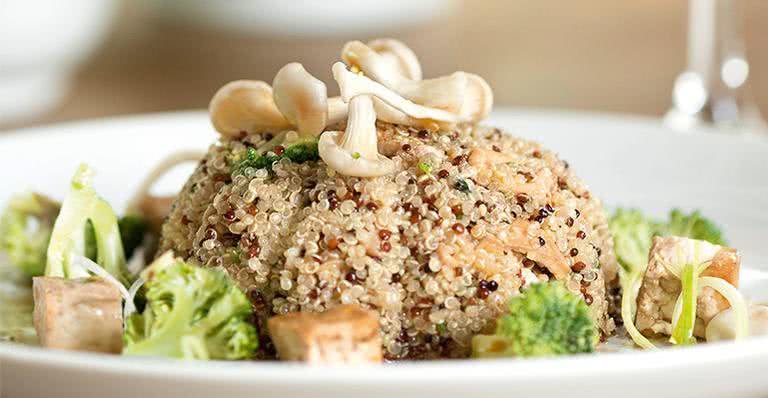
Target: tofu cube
{"points": [[660, 288], [82, 314], [346, 334]]}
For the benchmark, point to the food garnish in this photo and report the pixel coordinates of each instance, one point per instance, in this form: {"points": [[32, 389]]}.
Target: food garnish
{"points": [[545, 319], [25, 229], [190, 313]]}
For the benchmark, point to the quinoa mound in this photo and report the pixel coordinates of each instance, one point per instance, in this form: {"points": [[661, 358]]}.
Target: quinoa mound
{"points": [[437, 248]]}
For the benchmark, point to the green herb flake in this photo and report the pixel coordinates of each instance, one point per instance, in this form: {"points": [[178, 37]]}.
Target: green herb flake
{"points": [[462, 185], [235, 254], [298, 153]]}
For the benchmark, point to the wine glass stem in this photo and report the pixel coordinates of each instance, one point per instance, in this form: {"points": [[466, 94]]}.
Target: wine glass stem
{"points": [[702, 28], [712, 90]]}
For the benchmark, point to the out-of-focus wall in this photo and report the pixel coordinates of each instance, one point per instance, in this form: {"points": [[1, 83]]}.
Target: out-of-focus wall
{"points": [[590, 54]]}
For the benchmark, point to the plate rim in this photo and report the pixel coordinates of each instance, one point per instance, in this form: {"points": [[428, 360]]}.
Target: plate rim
{"points": [[276, 372], [273, 372]]}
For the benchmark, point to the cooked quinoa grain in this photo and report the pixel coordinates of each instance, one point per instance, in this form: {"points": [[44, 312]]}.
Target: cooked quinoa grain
{"points": [[436, 248]]}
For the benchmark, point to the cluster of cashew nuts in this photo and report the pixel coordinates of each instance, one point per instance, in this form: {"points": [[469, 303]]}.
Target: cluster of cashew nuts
{"points": [[379, 80]]}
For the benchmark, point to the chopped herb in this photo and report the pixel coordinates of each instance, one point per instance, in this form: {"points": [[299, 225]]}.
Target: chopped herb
{"points": [[462, 185], [302, 152], [441, 329], [298, 153], [425, 168], [356, 155], [235, 254]]}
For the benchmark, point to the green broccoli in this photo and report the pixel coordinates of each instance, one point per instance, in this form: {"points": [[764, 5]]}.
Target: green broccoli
{"points": [[694, 226], [632, 237], [545, 319], [190, 313], [462, 185], [71, 236], [25, 228], [299, 152]]}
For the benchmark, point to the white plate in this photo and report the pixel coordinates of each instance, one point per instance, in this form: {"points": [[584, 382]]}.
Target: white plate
{"points": [[627, 161]]}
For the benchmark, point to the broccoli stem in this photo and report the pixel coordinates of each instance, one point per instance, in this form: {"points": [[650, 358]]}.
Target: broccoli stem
{"points": [[109, 246], [69, 237], [165, 341], [69, 230], [194, 347]]}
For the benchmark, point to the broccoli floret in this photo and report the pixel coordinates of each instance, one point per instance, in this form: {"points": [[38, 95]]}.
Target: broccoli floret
{"points": [[299, 152], [190, 313], [25, 229], [545, 319], [133, 229], [71, 236], [632, 238], [694, 226]]}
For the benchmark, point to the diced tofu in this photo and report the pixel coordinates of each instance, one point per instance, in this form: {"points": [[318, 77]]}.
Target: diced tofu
{"points": [[345, 334], [82, 314], [660, 289]]}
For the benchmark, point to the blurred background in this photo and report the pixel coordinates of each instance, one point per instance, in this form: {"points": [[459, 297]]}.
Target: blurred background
{"points": [[65, 60]]}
